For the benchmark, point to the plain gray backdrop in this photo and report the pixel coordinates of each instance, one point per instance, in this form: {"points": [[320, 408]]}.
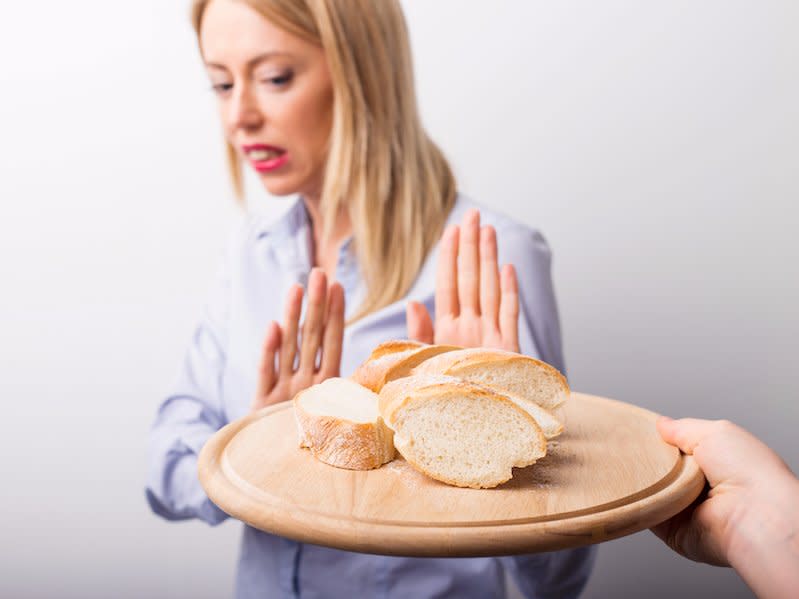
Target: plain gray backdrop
{"points": [[656, 145]]}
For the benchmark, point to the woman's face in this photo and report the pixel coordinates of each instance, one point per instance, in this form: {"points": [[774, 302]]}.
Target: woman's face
{"points": [[275, 96]]}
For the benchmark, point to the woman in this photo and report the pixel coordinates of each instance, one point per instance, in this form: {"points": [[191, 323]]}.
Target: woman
{"points": [[317, 95]]}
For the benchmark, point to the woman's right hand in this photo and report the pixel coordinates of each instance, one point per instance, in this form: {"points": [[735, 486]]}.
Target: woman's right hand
{"points": [[289, 361]]}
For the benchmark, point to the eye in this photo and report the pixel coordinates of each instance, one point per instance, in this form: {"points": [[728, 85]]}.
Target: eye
{"points": [[221, 88], [279, 80]]}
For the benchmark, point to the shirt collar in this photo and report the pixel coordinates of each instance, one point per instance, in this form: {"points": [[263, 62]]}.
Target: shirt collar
{"points": [[285, 227], [289, 237]]}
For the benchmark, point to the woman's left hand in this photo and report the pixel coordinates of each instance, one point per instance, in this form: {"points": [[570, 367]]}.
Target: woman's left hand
{"points": [[296, 348], [475, 304]]}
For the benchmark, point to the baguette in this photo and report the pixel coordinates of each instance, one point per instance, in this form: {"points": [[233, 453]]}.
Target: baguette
{"points": [[339, 421], [458, 432]]}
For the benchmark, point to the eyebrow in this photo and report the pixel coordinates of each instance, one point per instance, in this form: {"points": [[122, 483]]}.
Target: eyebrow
{"points": [[253, 61]]}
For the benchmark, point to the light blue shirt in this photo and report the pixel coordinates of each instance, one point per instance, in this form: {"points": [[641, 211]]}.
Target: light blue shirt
{"points": [[217, 382]]}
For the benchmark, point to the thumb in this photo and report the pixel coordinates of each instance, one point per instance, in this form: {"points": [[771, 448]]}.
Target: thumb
{"points": [[420, 325], [700, 438], [685, 433]]}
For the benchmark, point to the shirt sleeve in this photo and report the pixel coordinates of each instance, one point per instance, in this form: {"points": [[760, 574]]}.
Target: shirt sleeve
{"points": [[190, 415], [561, 574]]}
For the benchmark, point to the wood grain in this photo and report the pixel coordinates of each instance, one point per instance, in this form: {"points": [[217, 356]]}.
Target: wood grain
{"points": [[608, 475]]}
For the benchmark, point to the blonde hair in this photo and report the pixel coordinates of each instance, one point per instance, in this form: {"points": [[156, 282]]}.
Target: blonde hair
{"points": [[382, 168]]}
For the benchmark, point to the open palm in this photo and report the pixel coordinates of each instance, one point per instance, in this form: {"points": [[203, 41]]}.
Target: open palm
{"points": [[476, 305]]}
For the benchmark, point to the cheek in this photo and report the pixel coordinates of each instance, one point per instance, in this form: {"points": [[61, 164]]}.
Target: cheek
{"points": [[314, 116]]}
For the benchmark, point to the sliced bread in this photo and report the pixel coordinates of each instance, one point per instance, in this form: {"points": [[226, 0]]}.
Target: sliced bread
{"points": [[549, 423], [458, 432], [395, 359], [339, 421], [523, 377]]}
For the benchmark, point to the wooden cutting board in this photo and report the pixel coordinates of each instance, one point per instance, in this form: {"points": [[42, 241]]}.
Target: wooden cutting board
{"points": [[608, 475]]}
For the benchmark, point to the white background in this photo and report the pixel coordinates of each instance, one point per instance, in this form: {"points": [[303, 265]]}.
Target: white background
{"points": [[656, 145]]}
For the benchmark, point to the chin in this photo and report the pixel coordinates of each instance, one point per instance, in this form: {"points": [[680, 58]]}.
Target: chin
{"points": [[285, 186], [279, 188]]}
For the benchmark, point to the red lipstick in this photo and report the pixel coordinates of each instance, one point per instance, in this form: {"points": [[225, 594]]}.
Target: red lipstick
{"points": [[265, 158]]}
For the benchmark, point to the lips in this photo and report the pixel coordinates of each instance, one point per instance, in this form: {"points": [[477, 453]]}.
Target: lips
{"points": [[265, 158]]}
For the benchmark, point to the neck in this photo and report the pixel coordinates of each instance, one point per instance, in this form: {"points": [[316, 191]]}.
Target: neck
{"points": [[325, 251]]}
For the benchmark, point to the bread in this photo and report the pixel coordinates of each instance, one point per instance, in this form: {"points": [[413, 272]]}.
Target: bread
{"points": [[392, 347], [339, 421], [459, 432], [465, 417], [549, 424], [398, 389], [522, 377], [395, 359]]}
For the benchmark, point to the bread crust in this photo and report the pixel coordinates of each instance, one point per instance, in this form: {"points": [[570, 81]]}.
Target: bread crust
{"points": [[371, 374], [455, 362], [395, 359], [343, 443], [394, 346]]}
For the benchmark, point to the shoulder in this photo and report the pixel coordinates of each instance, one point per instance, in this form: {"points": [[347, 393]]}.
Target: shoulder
{"points": [[513, 236]]}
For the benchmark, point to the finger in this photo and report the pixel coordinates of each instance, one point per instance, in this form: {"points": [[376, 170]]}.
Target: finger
{"points": [[291, 320], [509, 309], [313, 326], [667, 531], [267, 375], [688, 533], [469, 263], [489, 277], [724, 451], [686, 433], [420, 325], [334, 333], [691, 435], [700, 540], [446, 302]]}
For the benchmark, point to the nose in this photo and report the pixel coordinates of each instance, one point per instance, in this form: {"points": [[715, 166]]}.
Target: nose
{"points": [[243, 111]]}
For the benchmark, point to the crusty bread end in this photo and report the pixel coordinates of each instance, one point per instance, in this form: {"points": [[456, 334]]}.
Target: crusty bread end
{"points": [[339, 421]]}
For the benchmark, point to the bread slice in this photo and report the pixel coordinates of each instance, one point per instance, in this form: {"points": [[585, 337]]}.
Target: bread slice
{"points": [[522, 377], [339, 421], [395, 359], [458, 432], [549, 423]]}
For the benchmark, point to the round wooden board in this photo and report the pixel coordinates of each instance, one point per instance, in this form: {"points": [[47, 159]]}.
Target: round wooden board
{"points": [[608, 475]]}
